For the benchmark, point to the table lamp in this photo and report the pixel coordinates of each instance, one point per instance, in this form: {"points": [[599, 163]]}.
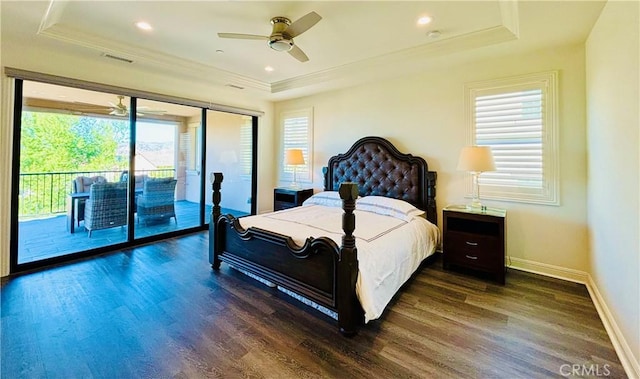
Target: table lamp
{"points": [[476, 160], [294, 157]]}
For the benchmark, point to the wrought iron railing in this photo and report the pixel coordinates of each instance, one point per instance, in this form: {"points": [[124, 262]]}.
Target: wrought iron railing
{"points": [[42, 194]]}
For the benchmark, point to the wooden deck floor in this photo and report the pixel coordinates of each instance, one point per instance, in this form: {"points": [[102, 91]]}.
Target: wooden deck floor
{"points": [[159, 311], [48, 237]]}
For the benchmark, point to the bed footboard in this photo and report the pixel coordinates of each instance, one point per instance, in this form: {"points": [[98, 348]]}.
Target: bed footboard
{"points": [[318, 270]]}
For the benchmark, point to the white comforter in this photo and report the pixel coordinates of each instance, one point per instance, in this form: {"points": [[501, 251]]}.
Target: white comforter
{"points": [[389, 249]]}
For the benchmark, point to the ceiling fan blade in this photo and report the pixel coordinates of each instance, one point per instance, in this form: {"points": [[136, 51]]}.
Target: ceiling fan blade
{"points": [[87, 107], [303, 24], [297, 53], [242, 36]]}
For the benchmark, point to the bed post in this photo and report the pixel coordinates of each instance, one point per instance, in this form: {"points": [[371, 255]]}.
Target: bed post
{"points": [[349, 310], [432, 213], [325, 178], [216, 181]]}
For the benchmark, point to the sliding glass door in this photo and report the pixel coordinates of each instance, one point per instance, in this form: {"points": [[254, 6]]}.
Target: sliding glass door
{"points": [[230, 150], [167, 180], [101, 170], [72, 154]]}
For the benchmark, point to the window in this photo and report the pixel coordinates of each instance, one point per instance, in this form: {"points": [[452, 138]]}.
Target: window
{"points": [[516, 117], [297, 132]]}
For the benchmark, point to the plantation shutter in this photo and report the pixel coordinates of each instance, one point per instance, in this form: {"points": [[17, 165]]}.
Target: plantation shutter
{"points": [[246, 147], [517, 118], [512, 124], [186, 147], [296, 135]]}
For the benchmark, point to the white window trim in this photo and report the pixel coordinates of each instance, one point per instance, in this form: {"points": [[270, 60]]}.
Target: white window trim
{"points": [[549, 194], [286, 174]]}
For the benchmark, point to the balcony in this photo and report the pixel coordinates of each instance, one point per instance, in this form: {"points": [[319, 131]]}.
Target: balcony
{"points": [[45, 194], [42, 221]]}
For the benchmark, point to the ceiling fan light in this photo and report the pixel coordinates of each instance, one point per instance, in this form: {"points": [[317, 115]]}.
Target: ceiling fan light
{"points": [[280, 43]]}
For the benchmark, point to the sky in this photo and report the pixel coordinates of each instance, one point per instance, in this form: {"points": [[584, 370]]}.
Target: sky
{"points": [[155, 132]]}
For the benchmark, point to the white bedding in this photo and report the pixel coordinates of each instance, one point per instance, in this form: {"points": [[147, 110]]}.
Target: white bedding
{"points": [[390, 249]]}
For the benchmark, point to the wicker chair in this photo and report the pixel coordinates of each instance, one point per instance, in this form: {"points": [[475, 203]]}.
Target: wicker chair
{"points": [[140, 179], [157, 200], [83, 184], [106, 206]]}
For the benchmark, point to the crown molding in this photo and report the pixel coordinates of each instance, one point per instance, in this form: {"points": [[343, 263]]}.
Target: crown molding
{"points": [[508, 30], [51, 27], [407, 60], [414, 57]]}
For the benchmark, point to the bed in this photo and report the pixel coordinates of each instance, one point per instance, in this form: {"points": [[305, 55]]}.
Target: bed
{"points": [[322, 265]]}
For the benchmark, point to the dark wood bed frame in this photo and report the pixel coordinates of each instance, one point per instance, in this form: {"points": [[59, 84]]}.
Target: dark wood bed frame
{"points": [[320, 270]]}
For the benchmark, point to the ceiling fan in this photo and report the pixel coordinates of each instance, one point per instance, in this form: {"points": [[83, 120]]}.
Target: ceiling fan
{"points": [[282, 34], [121, 110]]}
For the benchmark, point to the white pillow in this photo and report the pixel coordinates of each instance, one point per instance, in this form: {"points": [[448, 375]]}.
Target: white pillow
{"points": [[326, 198], [388, 206]]}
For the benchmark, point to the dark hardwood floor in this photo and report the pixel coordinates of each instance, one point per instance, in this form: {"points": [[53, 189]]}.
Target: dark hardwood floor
{"points": [[159, 311]]}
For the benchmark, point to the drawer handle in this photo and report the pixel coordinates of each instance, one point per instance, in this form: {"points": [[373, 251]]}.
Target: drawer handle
{"points": [[471, 243], [471, 257]]}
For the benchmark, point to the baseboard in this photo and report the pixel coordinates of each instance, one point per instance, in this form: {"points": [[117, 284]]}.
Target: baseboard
{"points": [[624, 352], [545, 269]]}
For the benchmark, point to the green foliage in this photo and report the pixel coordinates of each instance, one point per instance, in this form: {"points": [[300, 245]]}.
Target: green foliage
{"points": [[52, 142], [56, 142]]}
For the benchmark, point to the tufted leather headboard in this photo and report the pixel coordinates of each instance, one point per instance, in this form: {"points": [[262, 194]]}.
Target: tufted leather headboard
{"points": [[378, 168]]}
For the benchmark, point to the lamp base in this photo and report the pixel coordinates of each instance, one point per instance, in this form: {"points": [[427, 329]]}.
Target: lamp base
{"points": [[476, 206]]}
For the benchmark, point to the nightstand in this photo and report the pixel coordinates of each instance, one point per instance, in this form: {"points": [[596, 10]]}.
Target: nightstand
{"points": [[284, 197], [475, 240]]}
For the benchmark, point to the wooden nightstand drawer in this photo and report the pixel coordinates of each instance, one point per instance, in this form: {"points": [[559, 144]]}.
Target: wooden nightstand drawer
{"points": [[475, 240], [472, 249]]}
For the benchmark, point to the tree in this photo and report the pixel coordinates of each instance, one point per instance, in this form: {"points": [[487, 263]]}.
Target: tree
{"points": [[52, 142], [56, 142]]}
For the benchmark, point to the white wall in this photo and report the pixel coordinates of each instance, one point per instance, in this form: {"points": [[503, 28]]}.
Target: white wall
{"points": [[614, 168], [128, 76], [423, 115]]}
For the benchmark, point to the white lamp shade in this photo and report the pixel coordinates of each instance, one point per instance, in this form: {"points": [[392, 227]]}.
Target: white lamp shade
{"points": [[476, 159], [294, 157]]}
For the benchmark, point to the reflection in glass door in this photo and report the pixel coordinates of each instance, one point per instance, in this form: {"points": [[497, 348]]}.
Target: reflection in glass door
{"points": [[167, 168], [230, 151]]}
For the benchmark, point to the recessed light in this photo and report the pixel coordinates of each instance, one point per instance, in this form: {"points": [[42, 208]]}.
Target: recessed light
{"points": [[143, 25], [269, 69], [220, 51], [424, 20], [434, 34]]}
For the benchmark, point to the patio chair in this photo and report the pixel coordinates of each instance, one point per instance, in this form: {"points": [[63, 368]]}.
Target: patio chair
{"points": [[157, 200], [139, 180], [83, 184], [106, 206]]}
